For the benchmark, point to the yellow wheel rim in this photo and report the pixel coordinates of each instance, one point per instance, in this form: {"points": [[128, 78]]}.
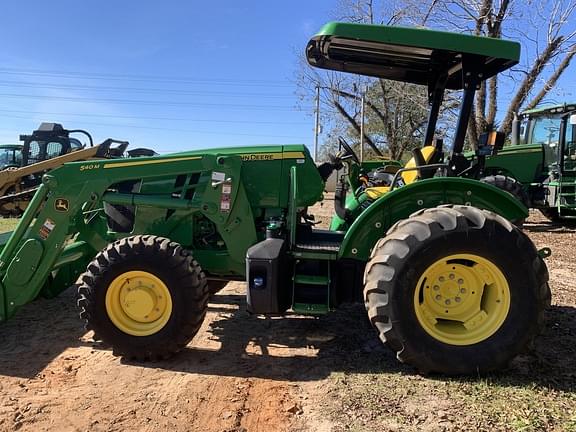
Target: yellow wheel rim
{"points": [[138, 303], [462, 299]]}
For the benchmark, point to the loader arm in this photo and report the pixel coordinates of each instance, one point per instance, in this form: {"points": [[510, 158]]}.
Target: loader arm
{"points": [[63, 227], [9, 177]]}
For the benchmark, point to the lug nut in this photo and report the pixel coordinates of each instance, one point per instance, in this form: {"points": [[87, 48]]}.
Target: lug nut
{"points": [[441, 279], [463, 290], [447, 302], [451, 276], [457, 299], [460, 281], [438, 297], [435, 287]]}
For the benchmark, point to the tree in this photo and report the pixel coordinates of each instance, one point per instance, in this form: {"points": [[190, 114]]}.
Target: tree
{"points": [[542, 27], [396, 112]]}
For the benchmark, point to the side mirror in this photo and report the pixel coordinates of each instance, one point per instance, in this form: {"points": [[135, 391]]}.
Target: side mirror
{"points": [[573, 119]]}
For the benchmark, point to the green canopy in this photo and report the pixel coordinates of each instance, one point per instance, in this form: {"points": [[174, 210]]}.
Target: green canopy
{"points": [[414, 55]]}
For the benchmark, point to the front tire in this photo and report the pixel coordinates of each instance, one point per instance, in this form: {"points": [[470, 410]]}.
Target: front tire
{"points": [[145, 296], [456, 290]]}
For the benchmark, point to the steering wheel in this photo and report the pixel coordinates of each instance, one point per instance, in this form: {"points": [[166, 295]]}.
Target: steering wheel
{"points": [[349, 153]]}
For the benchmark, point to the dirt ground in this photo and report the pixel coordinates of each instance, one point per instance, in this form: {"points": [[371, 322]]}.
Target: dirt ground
{"points": [[245, 373]]}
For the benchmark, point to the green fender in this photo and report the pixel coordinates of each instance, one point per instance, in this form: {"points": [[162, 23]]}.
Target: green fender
{"points": [[399, 204]]}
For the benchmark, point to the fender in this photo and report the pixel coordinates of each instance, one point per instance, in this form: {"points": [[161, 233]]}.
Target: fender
{"points": [[374, 222]]}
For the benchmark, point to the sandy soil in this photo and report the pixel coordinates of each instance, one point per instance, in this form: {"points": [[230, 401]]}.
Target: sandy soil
{"points": [[241, 373]]}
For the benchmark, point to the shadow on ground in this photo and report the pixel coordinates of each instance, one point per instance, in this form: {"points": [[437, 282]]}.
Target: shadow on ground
{"points": [[347, 343], [38, 333], [339, 342], [550, 227]]}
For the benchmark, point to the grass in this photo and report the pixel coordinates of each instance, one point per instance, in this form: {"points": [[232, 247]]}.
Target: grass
{"points": [[372, 391], [8, 224], [396, 401]]}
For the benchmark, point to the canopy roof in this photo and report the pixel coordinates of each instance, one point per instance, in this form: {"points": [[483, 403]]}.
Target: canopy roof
{"points": [[414, 55], [550, 109]]}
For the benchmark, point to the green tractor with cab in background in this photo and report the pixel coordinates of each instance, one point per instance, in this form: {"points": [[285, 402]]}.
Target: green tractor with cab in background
{"points": [[449, 283], [539, 167]]}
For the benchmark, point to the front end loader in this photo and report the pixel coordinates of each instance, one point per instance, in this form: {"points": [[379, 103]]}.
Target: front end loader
{"points": [[449, 283]]}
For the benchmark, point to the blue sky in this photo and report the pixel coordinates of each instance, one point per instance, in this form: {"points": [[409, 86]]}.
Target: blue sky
{"points": [[169, 75]]}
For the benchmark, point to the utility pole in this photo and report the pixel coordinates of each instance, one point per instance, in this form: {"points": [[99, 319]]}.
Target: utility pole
{"points": [[362, 126], [317, 124]]}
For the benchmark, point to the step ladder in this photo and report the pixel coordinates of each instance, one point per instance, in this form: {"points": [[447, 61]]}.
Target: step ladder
{"points": [[567, 195], [311, 286]]}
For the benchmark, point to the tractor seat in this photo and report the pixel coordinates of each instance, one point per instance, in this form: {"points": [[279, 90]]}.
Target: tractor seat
{"points": [[429, 153], [377, 191]]}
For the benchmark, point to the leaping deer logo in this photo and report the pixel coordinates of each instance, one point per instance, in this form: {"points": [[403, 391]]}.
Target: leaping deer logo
{"points": [[62, 205]]}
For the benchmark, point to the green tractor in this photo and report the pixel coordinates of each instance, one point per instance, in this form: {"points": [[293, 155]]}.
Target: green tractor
{"points": [[450, 285], [10, 156], [539, 167]]}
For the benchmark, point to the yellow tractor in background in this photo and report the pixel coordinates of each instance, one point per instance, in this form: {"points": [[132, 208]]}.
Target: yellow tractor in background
{"points": [[49, 147]]}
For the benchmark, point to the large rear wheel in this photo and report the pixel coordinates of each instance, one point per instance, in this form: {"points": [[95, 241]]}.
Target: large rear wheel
{"points": [[456, 290], [145, 296]]}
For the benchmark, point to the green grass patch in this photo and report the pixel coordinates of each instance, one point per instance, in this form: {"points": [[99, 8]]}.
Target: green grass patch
{"points": [[8, 224]]}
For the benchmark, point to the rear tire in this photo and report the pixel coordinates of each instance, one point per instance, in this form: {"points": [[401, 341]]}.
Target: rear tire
{"points": [[398, 302], [513, 187], [145, 296], [551, 213]]}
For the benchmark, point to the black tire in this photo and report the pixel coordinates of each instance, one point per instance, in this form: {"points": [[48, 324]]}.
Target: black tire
{"points": [[177, 270], [216, 285], [412, 245], [513, 187], [551, 213]]}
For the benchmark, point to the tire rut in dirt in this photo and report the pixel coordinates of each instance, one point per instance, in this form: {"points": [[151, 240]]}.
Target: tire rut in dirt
{"points": [[412, 245], [169, 262]]}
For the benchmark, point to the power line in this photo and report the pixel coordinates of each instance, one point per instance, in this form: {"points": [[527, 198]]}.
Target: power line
{"points": [[149, 102], [149, 78], [137, 89], [211, 132], [184, 119]]}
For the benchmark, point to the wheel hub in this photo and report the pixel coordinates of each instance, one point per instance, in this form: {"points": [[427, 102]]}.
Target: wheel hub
{"points": [[462, 299], [138, 303], [141, 303]]}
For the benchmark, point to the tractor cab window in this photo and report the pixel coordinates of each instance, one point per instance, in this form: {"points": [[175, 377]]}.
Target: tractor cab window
{"points": [[546, 131], [75, 144], [10, 157], [569, 151], [34, 152], [42, 150], [53, 149]]}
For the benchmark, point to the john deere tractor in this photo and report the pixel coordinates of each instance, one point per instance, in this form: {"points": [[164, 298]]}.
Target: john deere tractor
{"points": [[10, 156], [539, 167], [450, 284]]}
